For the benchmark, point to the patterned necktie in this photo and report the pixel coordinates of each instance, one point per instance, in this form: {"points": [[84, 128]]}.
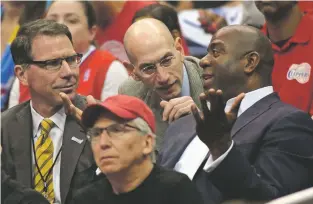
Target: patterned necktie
{"points": [[44, 158]]}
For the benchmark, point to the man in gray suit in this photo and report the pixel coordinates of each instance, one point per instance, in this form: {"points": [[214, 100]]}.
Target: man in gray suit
{"points": [[162, 76], [43, 148]]}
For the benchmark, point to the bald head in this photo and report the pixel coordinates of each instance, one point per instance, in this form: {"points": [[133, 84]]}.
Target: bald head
{"points": [[145, 36], [245, 39]]}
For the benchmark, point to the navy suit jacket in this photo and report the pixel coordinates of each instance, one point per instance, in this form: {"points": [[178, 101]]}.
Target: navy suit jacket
{"points": [[272, 155]]}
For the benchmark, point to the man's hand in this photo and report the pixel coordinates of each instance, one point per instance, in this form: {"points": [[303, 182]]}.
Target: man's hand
{"points": [[214, 126], [70, 109], [177, 107]]}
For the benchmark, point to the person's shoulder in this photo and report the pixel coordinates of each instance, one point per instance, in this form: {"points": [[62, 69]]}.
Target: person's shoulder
{"points": [[132, 87], [283, 110], [92, 191], [10, 113], [193, 60], [103, 55], [170, 177]]}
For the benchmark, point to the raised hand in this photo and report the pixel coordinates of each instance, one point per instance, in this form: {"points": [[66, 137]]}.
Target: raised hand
{"points": [[176, 108], [71, 109], [214, 125]]}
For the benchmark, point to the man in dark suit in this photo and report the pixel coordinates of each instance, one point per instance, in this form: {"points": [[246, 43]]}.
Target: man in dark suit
{"points": [[263, 154], [43, 148]]}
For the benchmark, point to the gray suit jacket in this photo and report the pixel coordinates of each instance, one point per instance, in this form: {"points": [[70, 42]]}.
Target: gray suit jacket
{"points": [[77, 163], [138, 89]]}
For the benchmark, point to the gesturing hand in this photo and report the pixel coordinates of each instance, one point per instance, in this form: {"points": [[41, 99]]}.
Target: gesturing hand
{"points": [[214, 126], [176, 108], [70, 109]]}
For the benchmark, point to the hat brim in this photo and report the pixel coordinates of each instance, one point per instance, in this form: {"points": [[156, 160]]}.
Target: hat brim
{"points": [[92, 113]]}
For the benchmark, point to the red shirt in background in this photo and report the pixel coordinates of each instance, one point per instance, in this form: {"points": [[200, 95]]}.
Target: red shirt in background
{"points": [[292, 73], [111, 38]]}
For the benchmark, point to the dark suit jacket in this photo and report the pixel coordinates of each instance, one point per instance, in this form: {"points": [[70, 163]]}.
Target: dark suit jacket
{"points": [[272, 155], [77, 163], [14, 193]]}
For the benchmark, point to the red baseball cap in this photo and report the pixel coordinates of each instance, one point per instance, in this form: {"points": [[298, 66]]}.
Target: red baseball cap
{"points": [[123, 106]]}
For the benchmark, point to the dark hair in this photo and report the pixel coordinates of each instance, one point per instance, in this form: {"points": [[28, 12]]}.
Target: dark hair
{"points": [[21, 47], [28, 13], [89, 13], [166, 14]]}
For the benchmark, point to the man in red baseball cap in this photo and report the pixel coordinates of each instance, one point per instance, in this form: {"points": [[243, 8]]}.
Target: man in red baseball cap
{"points": [[122, 134]]}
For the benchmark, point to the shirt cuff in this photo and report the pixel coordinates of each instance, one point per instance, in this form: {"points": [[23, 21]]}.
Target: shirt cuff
{"points": [[210, 165]]}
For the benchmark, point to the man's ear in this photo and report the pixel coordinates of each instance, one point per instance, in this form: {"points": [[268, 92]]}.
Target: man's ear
{"points": [[20, 73], [131, 70], [179, 46], [252, 61], [93, 30], [149, 143]]}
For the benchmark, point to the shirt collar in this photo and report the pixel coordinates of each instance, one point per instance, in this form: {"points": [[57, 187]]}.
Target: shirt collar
{"points": [[58, 118], [90, 50], [250, 98], [302, 34], [185, 91]]}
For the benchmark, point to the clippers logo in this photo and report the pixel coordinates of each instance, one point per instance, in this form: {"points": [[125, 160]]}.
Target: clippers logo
{"points": [[299, 72]]}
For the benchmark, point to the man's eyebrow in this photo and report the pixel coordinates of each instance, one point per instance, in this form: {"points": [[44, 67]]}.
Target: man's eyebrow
{"points": [[215, 43], [152, 63]]}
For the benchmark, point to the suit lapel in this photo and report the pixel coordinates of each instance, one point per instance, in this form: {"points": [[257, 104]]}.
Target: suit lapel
{"points": [[21, 130], [254, 112], [74, 140]]}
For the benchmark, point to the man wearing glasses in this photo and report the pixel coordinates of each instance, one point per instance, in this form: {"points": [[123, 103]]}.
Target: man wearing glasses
{"points": [[162, 76], [122, 134], [42, 147]]}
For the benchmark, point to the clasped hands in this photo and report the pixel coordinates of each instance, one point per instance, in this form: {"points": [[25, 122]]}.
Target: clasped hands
{"points": [[214, 124]]}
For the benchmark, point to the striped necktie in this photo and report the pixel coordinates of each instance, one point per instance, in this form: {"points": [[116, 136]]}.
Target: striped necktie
{"points": [[43, 179]]}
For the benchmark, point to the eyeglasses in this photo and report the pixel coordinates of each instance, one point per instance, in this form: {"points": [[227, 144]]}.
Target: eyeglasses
{"points": [[113, 131], [55, 64], [150, 70]]}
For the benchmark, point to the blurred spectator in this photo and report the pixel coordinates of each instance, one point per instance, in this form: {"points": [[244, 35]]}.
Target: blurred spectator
{"points": [[122, 134], [100, 72], [114, 18], [167, 80], [248, 146], [167, 15], [14, 14], [291, 34]]}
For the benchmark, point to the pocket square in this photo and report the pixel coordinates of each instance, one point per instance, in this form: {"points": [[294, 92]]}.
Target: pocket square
{"points": [[79, 141]]}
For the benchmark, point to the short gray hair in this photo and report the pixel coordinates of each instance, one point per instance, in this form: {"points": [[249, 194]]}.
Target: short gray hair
{"points": [[143, 126]]}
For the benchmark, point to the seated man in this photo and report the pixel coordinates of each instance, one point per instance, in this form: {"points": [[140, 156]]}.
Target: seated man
{"points": [[264, 154], [121, 131], [163, 77]]}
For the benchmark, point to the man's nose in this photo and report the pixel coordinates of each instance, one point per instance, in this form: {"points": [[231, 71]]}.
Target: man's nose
{"points": [[104, 140], [162, 76], [66, 70], [205, 62]]}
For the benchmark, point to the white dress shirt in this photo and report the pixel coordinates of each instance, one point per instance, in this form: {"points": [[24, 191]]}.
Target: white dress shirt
{"points": [[56, 134], [115, 76], [196, 151]]}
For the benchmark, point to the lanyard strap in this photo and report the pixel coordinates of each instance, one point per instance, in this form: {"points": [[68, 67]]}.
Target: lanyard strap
{"points": [[49, 171]]}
